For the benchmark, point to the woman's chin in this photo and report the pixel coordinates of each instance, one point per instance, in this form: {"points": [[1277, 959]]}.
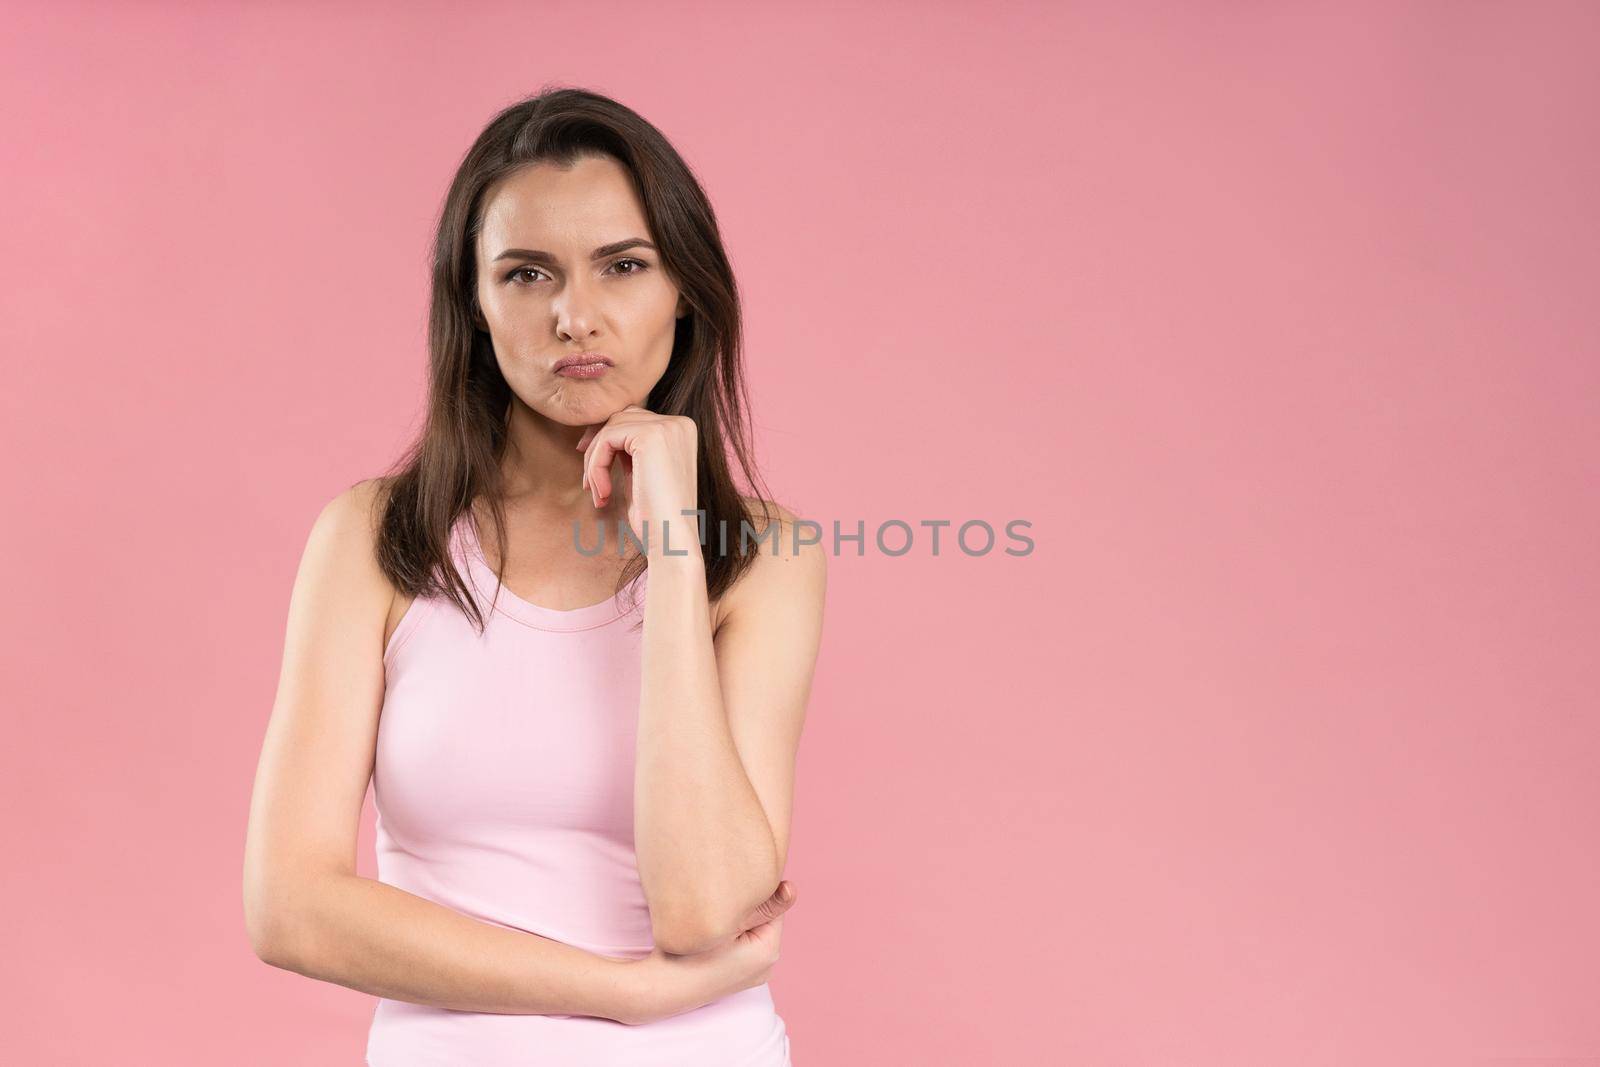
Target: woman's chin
{"points": [[584, 406]]}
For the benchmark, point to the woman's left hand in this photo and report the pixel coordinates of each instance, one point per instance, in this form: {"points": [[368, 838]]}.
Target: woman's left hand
{"points": [[660, 454]]}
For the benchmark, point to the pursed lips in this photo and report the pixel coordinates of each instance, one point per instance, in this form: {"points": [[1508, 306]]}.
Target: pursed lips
{"points": [[583, 359], [587, 365]]}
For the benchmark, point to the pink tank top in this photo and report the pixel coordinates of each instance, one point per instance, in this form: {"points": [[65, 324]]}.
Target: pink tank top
{"points": [[504, 788]]}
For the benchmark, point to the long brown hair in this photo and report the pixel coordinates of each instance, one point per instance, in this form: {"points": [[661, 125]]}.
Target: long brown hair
{"points": [[456, 456]]}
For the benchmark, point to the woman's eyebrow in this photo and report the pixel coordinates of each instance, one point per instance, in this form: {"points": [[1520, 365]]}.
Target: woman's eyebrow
{"points": [[600, 253]]}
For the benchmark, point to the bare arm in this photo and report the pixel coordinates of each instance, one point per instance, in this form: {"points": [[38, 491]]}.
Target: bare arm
{"points": [[306, 910], [370, 936], [719, 725]]}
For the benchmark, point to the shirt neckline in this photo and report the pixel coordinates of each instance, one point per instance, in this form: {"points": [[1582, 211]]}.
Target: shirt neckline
{"points": [[526, 612]]}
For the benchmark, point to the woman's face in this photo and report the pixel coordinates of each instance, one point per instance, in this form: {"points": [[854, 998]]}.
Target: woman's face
{"points": [[566, 267]]}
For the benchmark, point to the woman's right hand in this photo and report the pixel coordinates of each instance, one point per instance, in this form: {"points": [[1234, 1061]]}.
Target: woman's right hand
{"points": [[668, 985]]}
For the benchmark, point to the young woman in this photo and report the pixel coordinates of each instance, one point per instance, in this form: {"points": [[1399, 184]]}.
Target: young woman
{"points": [[583, 761]]}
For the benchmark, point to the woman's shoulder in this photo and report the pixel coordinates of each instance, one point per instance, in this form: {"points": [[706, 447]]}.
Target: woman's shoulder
{"points": [[344, 538], [761, 513], [785, 563], [356, 512], [339, 587], [767, 529]]}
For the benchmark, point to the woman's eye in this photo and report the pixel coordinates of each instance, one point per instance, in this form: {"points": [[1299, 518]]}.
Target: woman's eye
{"points": [[639, 265]]}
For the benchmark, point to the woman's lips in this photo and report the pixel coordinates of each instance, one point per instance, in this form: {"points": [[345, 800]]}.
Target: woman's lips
{"points": [[583, 365], [583, 370]]}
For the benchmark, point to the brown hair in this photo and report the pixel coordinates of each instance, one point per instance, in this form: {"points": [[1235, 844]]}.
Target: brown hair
{"points": [[456, 456]]}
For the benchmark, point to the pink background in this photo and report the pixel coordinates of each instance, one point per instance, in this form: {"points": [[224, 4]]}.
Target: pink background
{"points": [[1276, 321]]}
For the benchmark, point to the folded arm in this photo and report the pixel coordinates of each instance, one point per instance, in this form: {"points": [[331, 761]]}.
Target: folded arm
{"points": [[719, 728]]}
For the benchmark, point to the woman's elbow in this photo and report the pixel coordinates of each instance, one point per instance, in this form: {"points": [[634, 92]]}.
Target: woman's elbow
{"points": [[271, 921]]}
